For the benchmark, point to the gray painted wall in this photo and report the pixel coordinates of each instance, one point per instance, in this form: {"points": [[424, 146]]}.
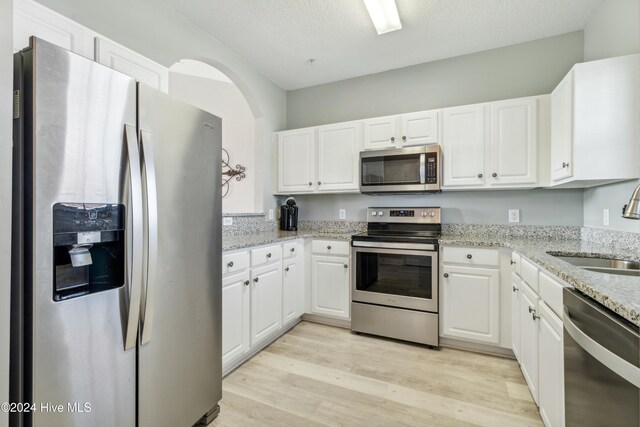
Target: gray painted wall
{"points": [[537, 207], [169, 37], [613, 30], [6, 87], [525, 69], [521, 70]]}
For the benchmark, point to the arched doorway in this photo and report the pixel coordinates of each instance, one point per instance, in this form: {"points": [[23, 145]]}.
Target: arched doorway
{"points": [[213, 89]]}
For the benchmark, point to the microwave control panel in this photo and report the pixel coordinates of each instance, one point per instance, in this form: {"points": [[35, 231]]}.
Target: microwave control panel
{"points": [[431, 164]]}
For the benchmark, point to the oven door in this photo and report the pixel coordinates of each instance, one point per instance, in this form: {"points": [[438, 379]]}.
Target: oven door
{"points": [[396, 277]]}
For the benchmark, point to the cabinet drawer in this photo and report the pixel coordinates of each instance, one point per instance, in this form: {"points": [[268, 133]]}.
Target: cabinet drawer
{"points": [[330, 247], [266, 255], [234, 263], [289, 250], [550, 291], [529, 273], [470, 256], [515, 262]]}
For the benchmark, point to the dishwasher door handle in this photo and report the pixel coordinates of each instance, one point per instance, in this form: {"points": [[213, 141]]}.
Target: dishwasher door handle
{"points": [[603, 355]]}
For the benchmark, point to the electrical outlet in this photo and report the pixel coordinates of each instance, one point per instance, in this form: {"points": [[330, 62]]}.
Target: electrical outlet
{"points": [[605, 216], [342, 213], [227, 220], [514, 215], [270, 213]]}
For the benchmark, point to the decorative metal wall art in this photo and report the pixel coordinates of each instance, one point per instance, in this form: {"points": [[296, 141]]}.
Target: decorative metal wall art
{"points": [[229, 172]]}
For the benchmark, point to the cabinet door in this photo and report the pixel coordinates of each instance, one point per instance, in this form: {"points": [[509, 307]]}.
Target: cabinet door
{"points": [[296, 158], [515, 316], [551, 368], [380, 133], [471, 299], [419, 128], [33, 19], [236, 328], [292, 289], [338, 156], [330, 294], [463, 146], [513, 142], [132, 64], [266, 301], [562, 129], [527, 307]]}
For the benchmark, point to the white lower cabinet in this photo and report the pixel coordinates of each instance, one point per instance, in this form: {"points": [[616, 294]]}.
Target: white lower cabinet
{"points": [[550, 368], [330, 285], [292, 289], [527, 309], [266, 301], [236, 316], [471, 303], [515, 316]]}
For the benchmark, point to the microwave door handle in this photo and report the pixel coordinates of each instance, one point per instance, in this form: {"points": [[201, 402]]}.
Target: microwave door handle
{"points": [[423, 169]]}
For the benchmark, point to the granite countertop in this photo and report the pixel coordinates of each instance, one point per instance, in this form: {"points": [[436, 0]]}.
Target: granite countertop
{"points": [[240, 241], [621, 294]]}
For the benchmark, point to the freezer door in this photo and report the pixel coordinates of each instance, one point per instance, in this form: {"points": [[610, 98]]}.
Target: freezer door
{"points": [[75, 153], [179, 375]]}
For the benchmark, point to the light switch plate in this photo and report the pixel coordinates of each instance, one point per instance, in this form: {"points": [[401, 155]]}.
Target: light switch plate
{"points": [[514, 215], [342, 213], [605, 216], [227, 220]]}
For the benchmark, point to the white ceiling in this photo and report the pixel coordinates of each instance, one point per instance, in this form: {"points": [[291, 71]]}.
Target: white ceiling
{"points": [[278, 36]]}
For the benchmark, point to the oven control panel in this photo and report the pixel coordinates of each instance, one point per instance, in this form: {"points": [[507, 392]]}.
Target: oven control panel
{"points": [[429, 215]]}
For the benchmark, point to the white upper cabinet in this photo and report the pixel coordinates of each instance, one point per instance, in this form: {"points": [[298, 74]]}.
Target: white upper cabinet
{"points": [[33, 19], [132, 64], [380, 133], [419, 128], [296, 161], [320, 159], [493, 145], [513, 158], [338, 152], [463, 138], [594, 120]]}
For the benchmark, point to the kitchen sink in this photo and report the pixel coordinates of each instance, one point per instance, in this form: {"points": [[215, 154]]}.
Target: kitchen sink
{"points": [[603, 265]]}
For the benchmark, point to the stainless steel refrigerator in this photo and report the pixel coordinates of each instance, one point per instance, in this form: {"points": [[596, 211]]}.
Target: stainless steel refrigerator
{"points": [[116, 281]]}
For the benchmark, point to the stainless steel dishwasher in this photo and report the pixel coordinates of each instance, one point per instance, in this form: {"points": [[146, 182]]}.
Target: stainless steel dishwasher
{"points": [[601, 365]]}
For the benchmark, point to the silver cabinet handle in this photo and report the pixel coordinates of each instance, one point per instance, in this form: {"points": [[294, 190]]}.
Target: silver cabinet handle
{"points": [[480, 175], [230, 264], [535, 316], [137, 236], [286, 269], [292, 249], [565, 165], [446, 275], [256, 279], [393, 138], [346, 266], [469, 256], [515, 289], [495, 175], [404, 138], [609, 359], [310, 183], [328, 247], [531, 309], [246, 283], [513, 262], [152, 234], [269, 255], [319, 183]]}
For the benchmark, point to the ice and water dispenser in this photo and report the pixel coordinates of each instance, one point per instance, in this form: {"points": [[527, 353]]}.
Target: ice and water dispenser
{"points": [[89, 248]]}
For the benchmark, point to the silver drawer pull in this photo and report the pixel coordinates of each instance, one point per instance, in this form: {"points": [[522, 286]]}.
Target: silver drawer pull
{"points": [[230, 264], [346, 266], [531, 309], [515, 289], [246, 283], [329, 247], [446, 275], [286, 269], [292, 249], [269, 255], [255, 280], [535, 316], [469, 256], [513, 262]]}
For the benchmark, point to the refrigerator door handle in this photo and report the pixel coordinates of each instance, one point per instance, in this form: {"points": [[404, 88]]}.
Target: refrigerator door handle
{"points": [[134, 272], [152, 235]]}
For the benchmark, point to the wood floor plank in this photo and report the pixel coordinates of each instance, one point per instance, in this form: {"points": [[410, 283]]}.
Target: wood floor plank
{"points": [[321, 375]]}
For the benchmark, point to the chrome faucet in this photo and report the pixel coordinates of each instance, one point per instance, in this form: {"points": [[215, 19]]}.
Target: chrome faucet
{"points": [[632, 210]]}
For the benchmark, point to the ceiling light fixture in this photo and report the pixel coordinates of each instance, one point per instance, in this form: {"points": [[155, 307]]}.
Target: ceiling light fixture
{"points": [[384, 15]]}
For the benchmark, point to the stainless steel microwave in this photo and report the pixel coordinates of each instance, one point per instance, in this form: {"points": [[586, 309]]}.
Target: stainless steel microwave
{"points": [[401, 170]]}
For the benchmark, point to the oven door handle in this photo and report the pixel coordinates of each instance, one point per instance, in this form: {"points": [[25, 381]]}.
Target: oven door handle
{"points": [[603, 355], [399, 246]]}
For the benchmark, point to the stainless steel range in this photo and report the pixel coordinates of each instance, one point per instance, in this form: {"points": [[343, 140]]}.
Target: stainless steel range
{"points": [[395, 279]]}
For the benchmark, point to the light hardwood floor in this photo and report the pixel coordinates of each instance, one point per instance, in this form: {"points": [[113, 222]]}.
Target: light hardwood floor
{"points": [[318, 375]]}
